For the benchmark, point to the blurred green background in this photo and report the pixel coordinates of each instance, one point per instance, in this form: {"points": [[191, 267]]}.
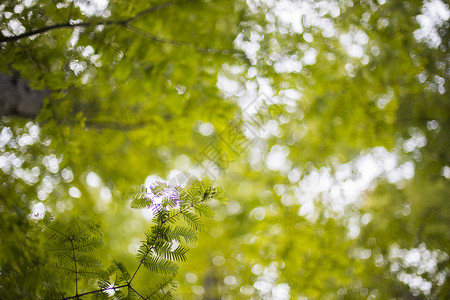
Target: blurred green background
{"points": [[325, 122]]}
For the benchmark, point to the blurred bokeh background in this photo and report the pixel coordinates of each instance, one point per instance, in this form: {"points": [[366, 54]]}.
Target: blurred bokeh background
{"points": [[326, 123]]}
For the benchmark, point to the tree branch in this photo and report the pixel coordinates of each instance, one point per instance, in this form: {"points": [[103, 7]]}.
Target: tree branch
{"points": [[137, 293], [97, 291], [156, 38], [84, 24], [179, 43], [117, 125], [32, 32]]}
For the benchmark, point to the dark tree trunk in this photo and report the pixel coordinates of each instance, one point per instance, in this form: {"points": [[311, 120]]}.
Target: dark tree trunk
{"points": [[17, 98]]}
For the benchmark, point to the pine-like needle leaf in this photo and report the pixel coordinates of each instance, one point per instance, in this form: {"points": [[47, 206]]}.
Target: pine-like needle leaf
{"points": [[160, 265], [192, 220], [179, 234]]}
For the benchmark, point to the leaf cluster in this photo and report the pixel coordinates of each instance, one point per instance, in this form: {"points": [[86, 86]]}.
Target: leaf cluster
{"points": [[71, 268]]}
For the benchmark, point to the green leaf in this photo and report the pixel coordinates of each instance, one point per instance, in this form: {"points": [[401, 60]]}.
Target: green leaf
{"points": [[164, 250], [160, 265], [204, 210], [192, 220], [140, 200], [185, 234]]}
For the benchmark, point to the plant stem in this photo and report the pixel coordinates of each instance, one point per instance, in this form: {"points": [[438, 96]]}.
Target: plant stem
{"points": [[160, 225], [76, 270], [97, 291]]}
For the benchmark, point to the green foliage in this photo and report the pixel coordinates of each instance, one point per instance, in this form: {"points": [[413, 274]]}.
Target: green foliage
{"points": [[69, 272], [339, 189], [67, 245]]}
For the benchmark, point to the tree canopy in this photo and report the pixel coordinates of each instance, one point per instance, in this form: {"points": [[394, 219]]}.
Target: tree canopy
{"points": [[326, 123]]}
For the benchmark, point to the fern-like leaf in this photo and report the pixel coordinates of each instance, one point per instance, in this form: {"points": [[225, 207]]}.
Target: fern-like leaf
{"points": [[164, 290], [82, 246], [157, 233], [89, 272], [173, 217], [160, 265], [57, 232], [100, 296], [192, 220], [204, 210], [124, 274], [89, 245], [88, 261], [164, 249], [60, 266], [69, 243], [181, 234], [167, 296], [158, 188], [140, 199]]}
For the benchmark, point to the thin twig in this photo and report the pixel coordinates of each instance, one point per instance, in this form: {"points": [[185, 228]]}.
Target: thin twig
{"points": [[161, 286], [76, 270], [156, 38], [32, 32], [137, 292], [179, 43], [97, 291], [117, 126]]}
